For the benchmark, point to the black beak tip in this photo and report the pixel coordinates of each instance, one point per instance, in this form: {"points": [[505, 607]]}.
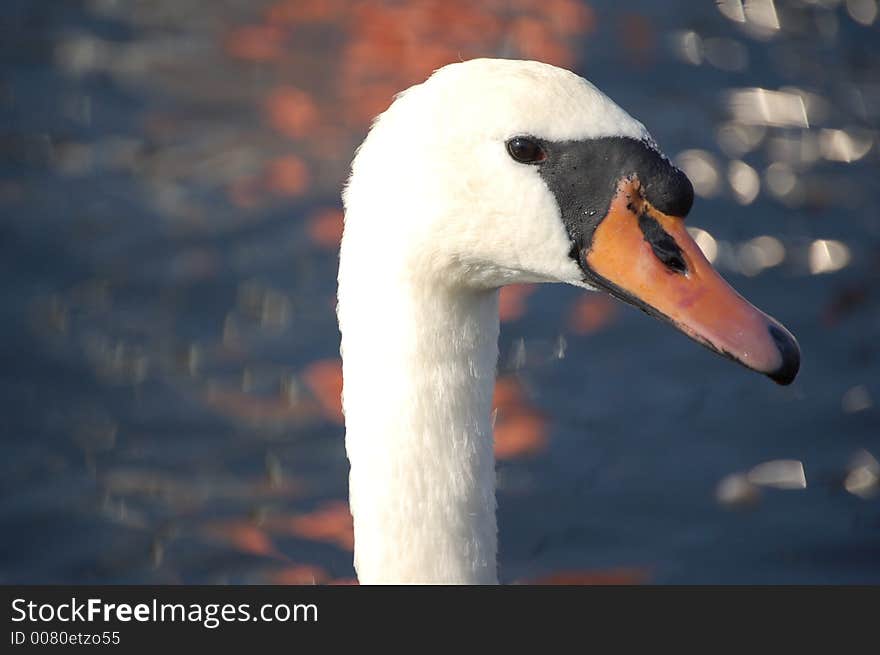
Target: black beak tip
{"points": [[790, 353]]}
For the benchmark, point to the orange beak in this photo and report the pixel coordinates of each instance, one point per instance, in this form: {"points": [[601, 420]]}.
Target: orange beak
{"points": [[647, 258]]}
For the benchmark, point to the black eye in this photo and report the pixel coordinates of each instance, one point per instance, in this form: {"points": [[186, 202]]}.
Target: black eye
{"points": [[526, 150]]}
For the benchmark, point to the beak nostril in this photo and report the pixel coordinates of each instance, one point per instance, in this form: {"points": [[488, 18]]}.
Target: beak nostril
{"points": [[664, 246]]}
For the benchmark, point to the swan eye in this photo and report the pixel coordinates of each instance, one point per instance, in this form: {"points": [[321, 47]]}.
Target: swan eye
{"points": [[525, 150]]}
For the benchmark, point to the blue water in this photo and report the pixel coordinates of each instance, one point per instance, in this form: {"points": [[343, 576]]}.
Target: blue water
{"points": [[129, 278]]}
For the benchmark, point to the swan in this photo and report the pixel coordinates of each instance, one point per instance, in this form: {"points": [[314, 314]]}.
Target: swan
{"points": [[495, 172]]}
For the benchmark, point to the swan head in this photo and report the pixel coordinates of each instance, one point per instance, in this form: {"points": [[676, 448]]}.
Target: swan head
{"points": [[495, 172]]}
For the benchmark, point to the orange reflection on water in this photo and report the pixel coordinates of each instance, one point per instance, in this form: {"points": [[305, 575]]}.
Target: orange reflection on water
{"points": [[619, 576], [246, 192], [512, 301], [591, 313], [520, 430], [299, 574], [258, 409], [325, 227], [324, 380], [243, 535], [520, 434], [395, 45], [291, 111], [331, 523], [294, 12], [256, 43], [388, 46], [638, 37], [287, 176]]}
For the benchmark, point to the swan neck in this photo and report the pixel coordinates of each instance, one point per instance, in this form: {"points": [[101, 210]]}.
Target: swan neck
{"points": [[419, 370]]}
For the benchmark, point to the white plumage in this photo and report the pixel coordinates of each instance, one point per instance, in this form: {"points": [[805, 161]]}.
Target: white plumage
{"points": [[437, 218]]}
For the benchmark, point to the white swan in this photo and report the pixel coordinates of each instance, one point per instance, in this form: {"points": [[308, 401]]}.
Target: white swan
{"points": [[495, 172]]}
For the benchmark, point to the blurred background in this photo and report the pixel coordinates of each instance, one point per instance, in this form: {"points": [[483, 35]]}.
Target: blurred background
{"points": [[169, 220]]}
